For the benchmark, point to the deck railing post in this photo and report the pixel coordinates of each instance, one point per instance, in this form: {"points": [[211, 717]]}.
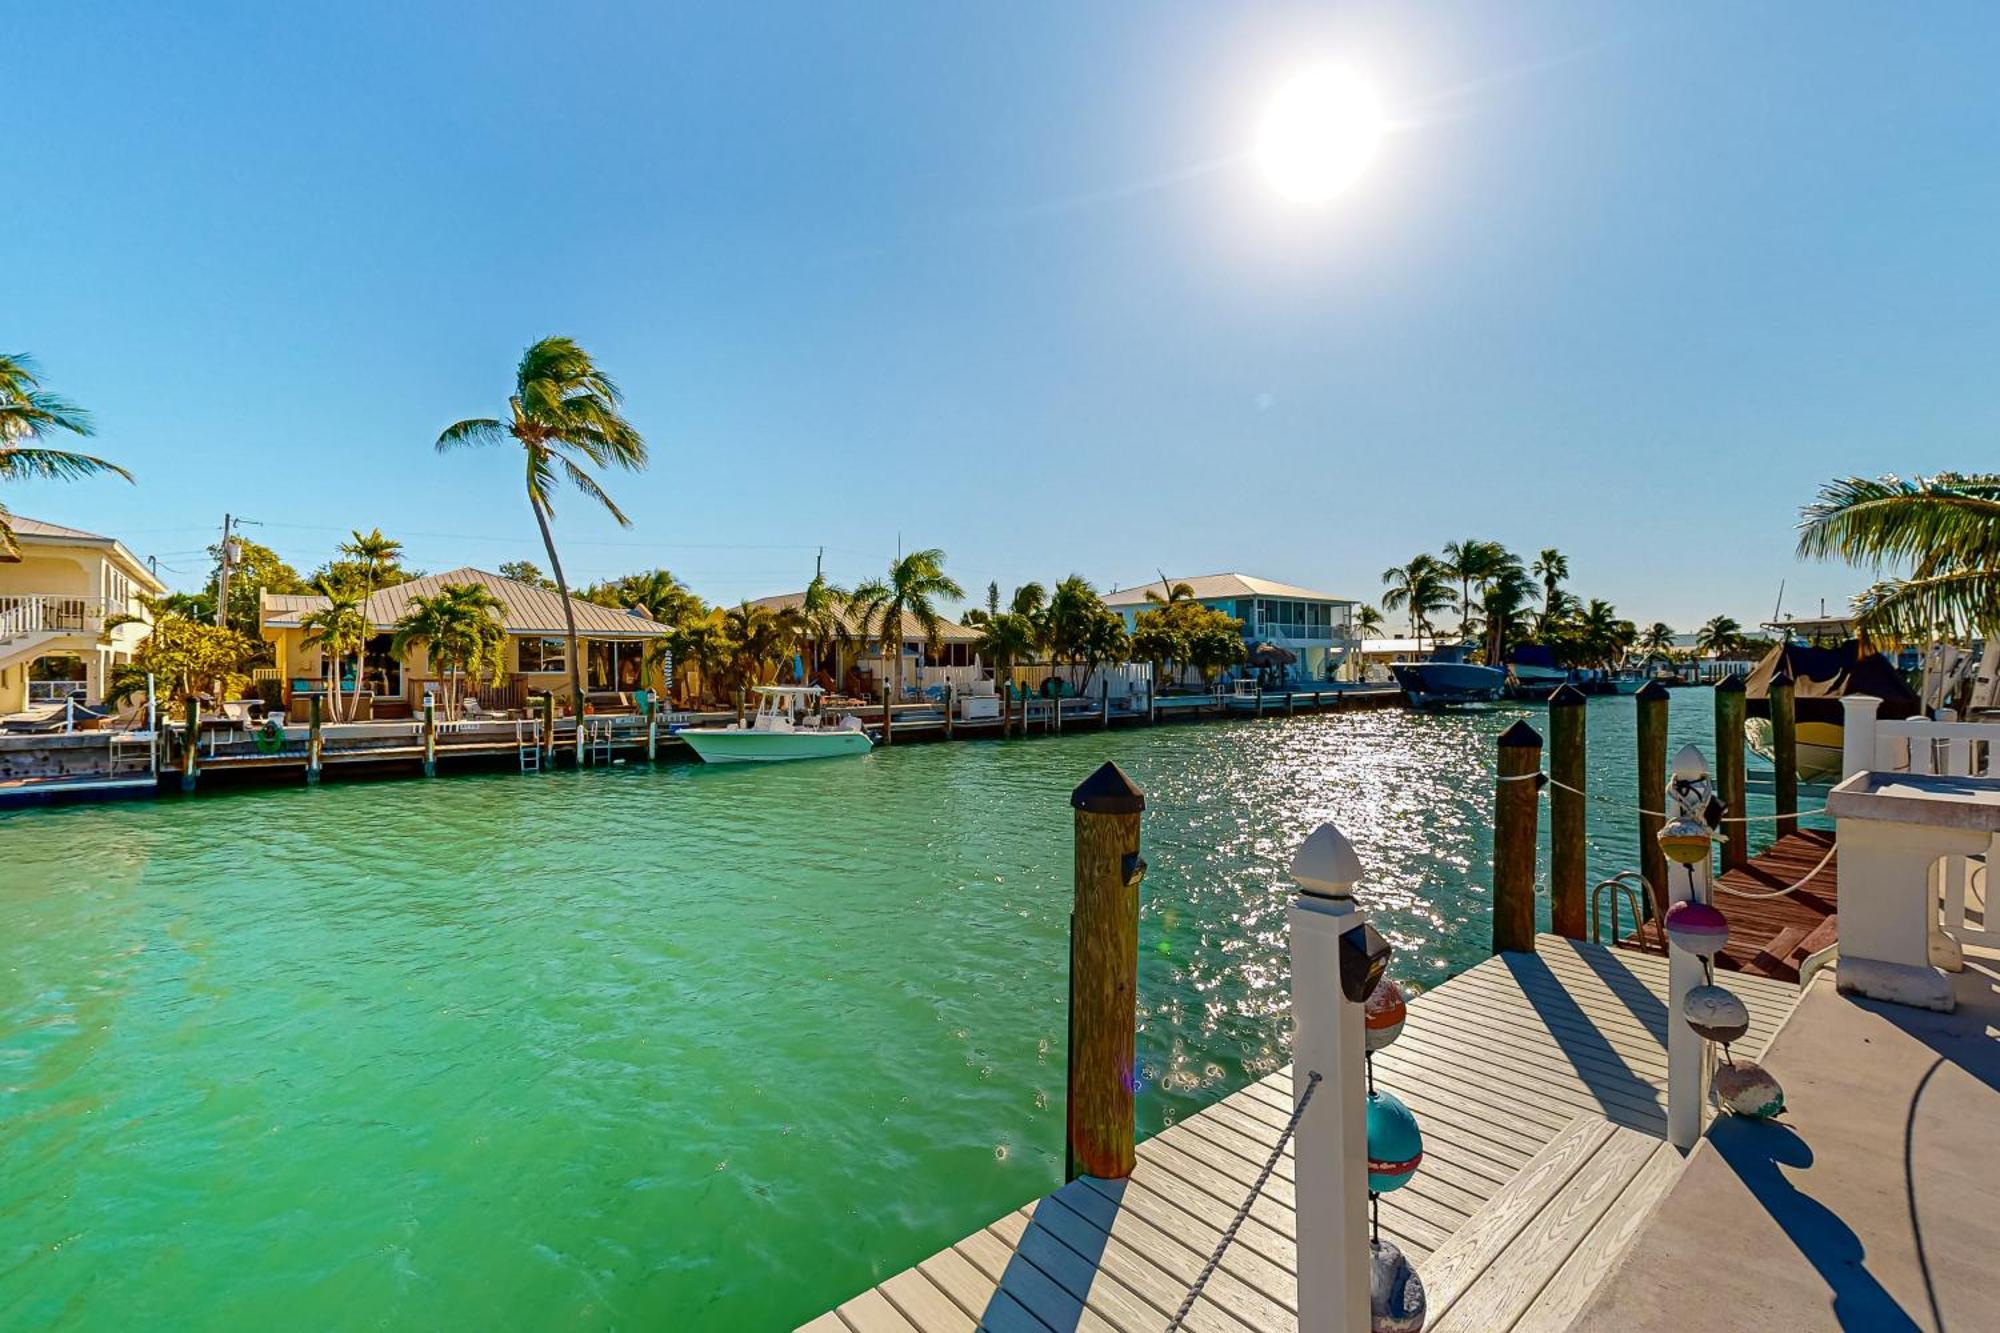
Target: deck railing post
{"points": [[1687, 1057], [191, 745], [1785, 752], [1516, 810], [314, 740], [1568, 762], [1651, 702], [652, 729], [430, 736], [1104, 976], [1331, 1152], [1857, 733], [1730, 712]]}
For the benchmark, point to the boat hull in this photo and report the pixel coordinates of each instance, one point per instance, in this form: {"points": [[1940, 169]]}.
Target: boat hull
{"points": [[1819, 747], [746, 746], [1438, 684]]}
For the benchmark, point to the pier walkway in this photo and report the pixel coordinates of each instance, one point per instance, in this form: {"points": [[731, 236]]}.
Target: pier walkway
{"points": [[1540, 1082], [1772, 936]]}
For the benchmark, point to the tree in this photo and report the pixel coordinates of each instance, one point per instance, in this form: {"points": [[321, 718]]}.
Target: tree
{"points": [[1718, 637], [1658, 639], [367, 561], [28, 412], [1368, 623], [1005, 641], [1602, 637], [1502, 602], [701, 642], [760, 637], [256, 569], [338, 629], [822, 618], [1158, 640], [1420, 588], [1551, 567], [1473, 563], [460, 630], [908, 594], [1944, 530], [527, 571], [185, 657], [564, 414], [656, 592], [1076, 628], [1178, 592]]}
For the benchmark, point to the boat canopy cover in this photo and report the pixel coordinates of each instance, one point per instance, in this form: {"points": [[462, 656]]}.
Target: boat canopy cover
{"points": [[1822, 677], [1532, 654]]}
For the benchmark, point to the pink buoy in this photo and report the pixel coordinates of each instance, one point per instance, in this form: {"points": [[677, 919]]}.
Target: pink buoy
{"points": [[1698, 928], [1383, 1016]]}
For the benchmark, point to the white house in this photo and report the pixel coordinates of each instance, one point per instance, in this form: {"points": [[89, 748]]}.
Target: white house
{"points": [[1315, 627], [56, 596]]}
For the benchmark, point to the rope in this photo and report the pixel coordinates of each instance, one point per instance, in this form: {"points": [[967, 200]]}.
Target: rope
{"points": [[1656, 814], [1789, 888], [1229, 1234]]}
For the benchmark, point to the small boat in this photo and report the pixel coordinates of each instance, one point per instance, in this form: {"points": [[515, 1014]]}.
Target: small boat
{"points": [[1629, 682], [1821, 678], [1445, 677], [1532, 672], [789, 724]]}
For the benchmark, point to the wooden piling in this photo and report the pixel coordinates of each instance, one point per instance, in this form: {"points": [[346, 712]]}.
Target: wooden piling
{"points": [[652, 729], [1260, 698], [1785, 751], [1730, 712], [1568, 751], [1103, 705], [739, 705], [191, 745], [1651, 702], [1104, 976], [1516, 807], [888, 714], [430, 736], [949, 699], [549, 724], [1152, 714], [314, 742]]}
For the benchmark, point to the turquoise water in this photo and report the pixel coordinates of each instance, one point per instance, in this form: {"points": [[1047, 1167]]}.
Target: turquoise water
{"points": [[669, 1048]]}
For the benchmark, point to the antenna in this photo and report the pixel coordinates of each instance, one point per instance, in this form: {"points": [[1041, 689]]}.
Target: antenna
{"points": [[1780, 603]]}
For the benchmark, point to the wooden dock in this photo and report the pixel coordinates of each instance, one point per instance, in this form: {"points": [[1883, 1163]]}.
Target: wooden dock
{"points": [[1540, 1082], [1771, 937]]}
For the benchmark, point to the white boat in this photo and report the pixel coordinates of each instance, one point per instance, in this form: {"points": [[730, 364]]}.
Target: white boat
{"points": [[789, 724], [1447, 678]]}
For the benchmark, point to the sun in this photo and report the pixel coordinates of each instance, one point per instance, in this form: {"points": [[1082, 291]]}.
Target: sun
{"points": [[1319, 133]]}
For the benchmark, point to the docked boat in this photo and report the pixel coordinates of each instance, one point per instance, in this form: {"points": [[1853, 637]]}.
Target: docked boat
{"points": [[1532, 672], [1445, 677], [1821, 678], [790, 723]]}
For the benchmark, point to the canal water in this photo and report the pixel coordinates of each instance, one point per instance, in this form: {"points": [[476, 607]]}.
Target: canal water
{"points": [[663, 1048]]}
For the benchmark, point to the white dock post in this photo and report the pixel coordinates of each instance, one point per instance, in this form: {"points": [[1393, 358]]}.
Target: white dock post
{"points": [[1857, 734], [1331, 1183], [652, 729], [1687, 1053]]}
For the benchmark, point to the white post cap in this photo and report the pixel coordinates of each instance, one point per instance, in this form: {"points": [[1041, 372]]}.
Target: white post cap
{"points": [[1326, 864], [1690, 765]]}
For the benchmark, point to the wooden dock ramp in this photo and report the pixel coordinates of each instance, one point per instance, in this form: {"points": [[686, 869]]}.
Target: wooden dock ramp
{"points": [[1540, 1083]]}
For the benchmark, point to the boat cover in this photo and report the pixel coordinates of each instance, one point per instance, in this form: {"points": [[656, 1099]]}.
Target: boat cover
{"points": [[1822, 677]]}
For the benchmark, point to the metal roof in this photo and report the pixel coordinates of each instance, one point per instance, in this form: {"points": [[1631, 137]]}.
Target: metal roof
{"points": [[36, 530], [529, 610], [1210, 587]]}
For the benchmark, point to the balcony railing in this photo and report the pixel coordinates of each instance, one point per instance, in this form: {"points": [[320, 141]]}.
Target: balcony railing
{"points": [[40, 613]]}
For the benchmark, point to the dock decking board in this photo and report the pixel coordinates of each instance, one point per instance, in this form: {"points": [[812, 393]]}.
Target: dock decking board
{"points": [[1540, 1082], [1756, 923]]}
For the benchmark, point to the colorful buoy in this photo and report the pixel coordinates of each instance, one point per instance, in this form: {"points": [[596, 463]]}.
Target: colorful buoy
{"points": [[1395, 1144], [1395, 1292], [1698, 928], [1685, 840], [1384, 1015], [1747, 1088], [1716, 1014]]}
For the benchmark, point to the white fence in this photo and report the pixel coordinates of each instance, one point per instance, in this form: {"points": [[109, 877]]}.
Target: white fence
{"points": [[1916, 745], [36, 613]]}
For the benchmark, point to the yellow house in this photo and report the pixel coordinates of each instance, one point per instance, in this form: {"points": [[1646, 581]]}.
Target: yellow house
{"points": [[55, 597], [614, 646]]}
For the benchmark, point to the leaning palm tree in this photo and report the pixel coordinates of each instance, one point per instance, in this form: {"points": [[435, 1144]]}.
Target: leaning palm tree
{"points": [[1944, 530], [564, 413], [1418, 587], [338, 629], [27, 413], [887, 608], [1551, 567]]}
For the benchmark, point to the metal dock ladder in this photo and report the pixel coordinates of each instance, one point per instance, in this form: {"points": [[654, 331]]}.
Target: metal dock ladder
{"points": [[528, 743], [597, 740]]}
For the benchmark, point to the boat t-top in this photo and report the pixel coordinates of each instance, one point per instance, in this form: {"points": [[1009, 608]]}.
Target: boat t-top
{"points": [[790, 723]]}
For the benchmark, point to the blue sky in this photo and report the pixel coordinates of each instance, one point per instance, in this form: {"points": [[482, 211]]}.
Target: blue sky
{"points": [[1626, 280]]}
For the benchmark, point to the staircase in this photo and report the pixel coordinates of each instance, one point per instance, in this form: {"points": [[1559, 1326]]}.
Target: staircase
{"points": [[1533, 1255]]}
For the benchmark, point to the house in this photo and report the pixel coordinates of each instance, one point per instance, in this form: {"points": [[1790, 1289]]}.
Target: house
{"points": [[1314, 627], [56, 596], [956, 648], [614, 644]]}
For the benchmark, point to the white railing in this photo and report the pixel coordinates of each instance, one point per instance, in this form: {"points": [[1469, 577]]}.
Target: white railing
{"points": [[53, 691], [37, 613]]}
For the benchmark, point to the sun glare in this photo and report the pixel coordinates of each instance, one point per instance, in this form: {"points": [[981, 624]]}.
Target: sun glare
{"points": [[1319, 133]]}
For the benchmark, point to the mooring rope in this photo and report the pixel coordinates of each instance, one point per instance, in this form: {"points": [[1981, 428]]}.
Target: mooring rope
{"points": [[1642, 810], [1229, 1233], [1789, 888]]}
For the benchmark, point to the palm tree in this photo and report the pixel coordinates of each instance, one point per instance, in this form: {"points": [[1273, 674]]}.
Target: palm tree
{"points": [[1418, 587], [1178, 592], [909, 593], [660, 595], [1471, 562], [1005, 641], [701, 641], [822, 623], [1658, 640], [460, 630], [1502, 600], [760, 637], [1368, 623], [1944, 529], [337, 629], [27, 413], [1604, 637], [374, 553], [564, 413], [1551, 567], [1720, 636]]}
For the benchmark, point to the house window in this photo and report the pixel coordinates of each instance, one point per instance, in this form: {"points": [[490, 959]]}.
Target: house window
{"points": [[614, 666], [543, 655]]}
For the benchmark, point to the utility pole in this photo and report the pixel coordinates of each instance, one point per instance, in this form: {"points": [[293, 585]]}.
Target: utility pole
{"points": [[222, 578]]}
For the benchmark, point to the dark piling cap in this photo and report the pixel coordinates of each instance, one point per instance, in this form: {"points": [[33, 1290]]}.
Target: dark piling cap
{"points": [[1108, 792], [1568, 696], [1782, 676], [1521, 735], [1729, 685], [1652, 692]]}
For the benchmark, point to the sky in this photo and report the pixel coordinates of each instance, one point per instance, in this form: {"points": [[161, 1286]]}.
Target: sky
{"points": [[1626, 280]]}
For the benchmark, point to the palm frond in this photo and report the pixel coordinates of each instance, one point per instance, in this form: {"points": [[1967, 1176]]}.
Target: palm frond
{"points": [[19, 463], [1931, 522], [584, 482], [471, 431]]}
